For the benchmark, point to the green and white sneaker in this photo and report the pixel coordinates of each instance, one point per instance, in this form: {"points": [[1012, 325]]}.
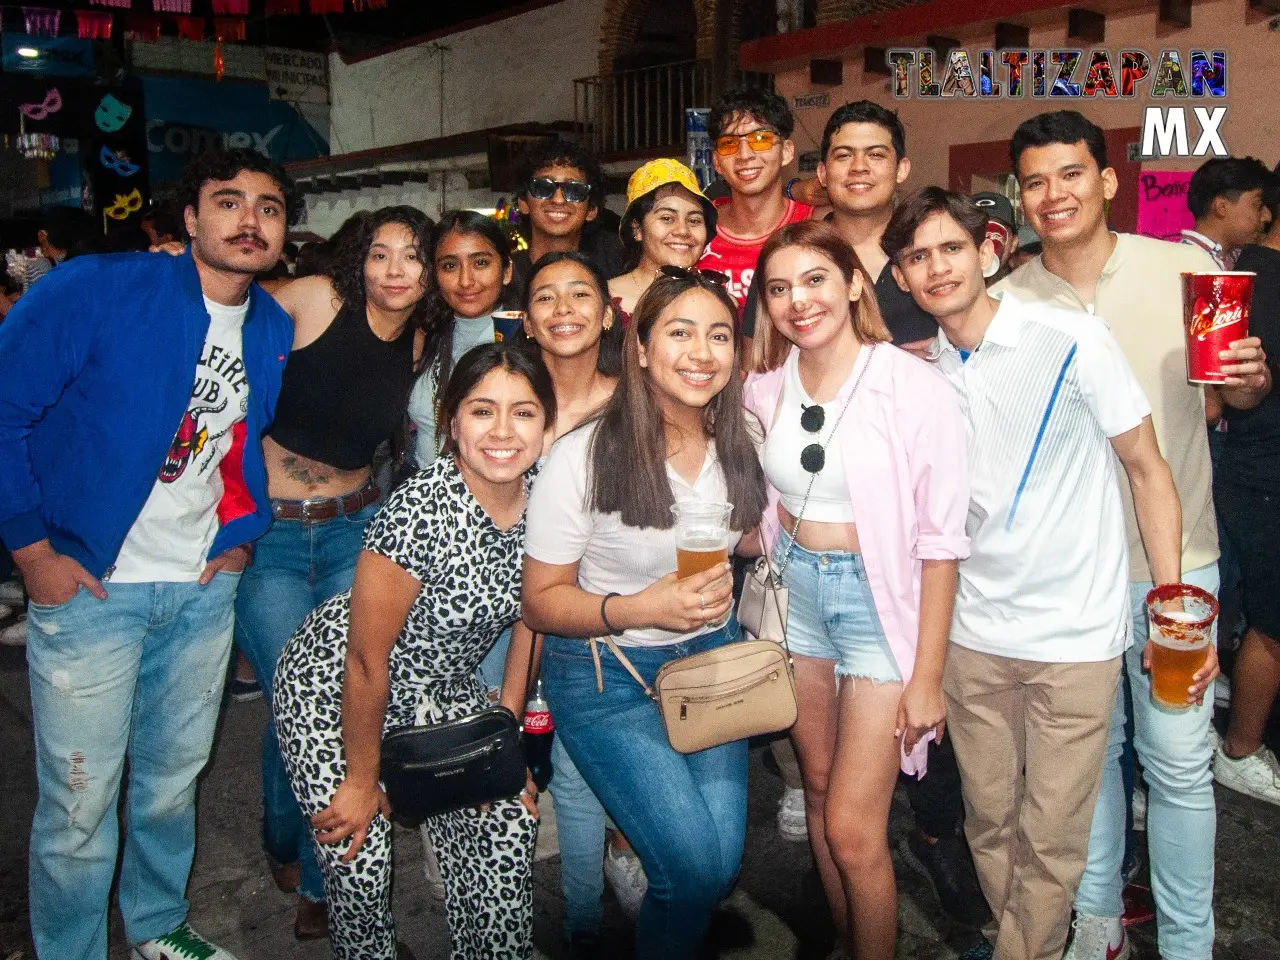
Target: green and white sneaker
{"points": [[181, 944]]}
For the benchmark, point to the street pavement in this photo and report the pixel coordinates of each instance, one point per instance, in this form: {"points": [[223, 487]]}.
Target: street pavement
{"points": [[777, 912]]}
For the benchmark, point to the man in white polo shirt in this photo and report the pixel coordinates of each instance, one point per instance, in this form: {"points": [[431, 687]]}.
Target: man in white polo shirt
{"points": [[1042, 608], [1133, 284]]}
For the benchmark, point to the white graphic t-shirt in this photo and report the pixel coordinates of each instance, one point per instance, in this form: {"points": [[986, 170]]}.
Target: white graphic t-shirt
{"points": [[170, 539]]}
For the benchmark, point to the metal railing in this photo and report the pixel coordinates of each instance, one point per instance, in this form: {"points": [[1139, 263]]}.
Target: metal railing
{"points": [[637, 111]]}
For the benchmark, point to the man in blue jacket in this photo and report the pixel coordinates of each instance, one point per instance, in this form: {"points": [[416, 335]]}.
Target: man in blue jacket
{"points": [[134, 391]]}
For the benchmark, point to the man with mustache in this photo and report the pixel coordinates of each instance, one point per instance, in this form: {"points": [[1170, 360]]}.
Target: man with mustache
{"points": [[134, 393]]}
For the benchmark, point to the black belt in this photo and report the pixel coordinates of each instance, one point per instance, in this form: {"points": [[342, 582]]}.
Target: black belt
{"points": [[323, 509]]}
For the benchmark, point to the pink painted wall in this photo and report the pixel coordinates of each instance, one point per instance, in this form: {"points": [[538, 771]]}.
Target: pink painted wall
{"points": [[1252, 126]]}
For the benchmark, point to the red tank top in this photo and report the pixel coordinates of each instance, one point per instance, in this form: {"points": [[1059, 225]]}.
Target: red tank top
{"points": [[737, 256]]}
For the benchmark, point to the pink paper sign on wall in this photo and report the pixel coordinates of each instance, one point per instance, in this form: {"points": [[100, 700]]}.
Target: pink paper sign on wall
{"points": [[1162, 203]]}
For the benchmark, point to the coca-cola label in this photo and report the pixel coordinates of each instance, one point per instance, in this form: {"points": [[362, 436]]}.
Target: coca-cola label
{"points": [[539, 722], [1209, 316]]}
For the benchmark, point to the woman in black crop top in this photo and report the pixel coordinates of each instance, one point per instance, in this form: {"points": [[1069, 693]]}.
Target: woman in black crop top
{"points": [[357, 337]]}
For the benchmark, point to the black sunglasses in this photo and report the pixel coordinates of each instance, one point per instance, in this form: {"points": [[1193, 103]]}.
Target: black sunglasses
{"points": [[694, 275], [574, 191], [813, 457]]}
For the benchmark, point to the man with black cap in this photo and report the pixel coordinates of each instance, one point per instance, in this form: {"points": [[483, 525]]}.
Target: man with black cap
{"points": [[1002, 231]]}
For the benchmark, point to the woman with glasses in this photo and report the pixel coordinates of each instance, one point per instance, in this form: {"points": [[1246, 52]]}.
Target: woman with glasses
{"points": [[601, 558], [868, 480], [668, 222]]}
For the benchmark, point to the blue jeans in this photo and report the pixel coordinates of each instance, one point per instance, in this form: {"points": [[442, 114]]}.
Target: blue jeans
{"points": [[580, 826], [137, 676], [296, 567], [1174, 749], [686, 815]]}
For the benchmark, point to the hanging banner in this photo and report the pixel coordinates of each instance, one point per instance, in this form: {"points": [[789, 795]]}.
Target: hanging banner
{"points": [[1162, 204], [296, 75], [187, 117]]}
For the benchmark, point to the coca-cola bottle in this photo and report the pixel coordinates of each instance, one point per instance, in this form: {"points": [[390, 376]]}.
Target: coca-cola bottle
{"points": [[538, 734]]}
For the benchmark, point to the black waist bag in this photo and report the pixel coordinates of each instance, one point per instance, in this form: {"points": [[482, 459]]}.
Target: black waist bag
{"points": [[447, 766]]}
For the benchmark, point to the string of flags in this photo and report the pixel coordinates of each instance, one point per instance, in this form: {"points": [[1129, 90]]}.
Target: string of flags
{"points": [[228, 22]]}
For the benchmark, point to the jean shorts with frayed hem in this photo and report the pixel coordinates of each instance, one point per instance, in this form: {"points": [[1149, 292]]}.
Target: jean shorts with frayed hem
{"points": [[831, 614]]}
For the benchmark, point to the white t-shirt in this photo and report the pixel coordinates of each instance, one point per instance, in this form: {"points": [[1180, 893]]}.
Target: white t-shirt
{"points": [[1047, 578], [170, 539], [611, 558]]}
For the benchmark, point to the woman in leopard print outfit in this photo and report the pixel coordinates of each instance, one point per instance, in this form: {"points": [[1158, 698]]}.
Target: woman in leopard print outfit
{"points": [[437, 582]]}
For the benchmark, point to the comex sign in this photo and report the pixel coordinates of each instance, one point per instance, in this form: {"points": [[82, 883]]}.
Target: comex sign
{"points": [[1069, 73], [178, 138]]}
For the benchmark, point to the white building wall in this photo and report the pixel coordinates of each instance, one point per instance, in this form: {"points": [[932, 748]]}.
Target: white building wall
{"points": [[519, 69]]}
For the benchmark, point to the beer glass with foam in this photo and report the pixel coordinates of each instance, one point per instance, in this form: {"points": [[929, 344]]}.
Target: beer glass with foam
{"points": [[1181, 619]]}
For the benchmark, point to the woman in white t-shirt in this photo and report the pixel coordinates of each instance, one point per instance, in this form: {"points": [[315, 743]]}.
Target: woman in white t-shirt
{"points": [[601, 558]]}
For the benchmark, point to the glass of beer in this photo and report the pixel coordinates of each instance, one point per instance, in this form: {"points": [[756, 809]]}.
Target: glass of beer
{"points": [[702, 537], [1181, 619]]}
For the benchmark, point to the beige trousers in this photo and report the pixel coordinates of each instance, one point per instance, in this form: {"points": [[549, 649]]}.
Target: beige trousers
{"points": [[1030, 739]]}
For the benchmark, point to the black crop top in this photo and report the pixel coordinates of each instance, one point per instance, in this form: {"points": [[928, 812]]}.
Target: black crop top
{"points": [[344, 393]]}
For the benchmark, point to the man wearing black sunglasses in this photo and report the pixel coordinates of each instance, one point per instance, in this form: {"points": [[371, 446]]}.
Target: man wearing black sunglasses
{"points": [[562, 193]]}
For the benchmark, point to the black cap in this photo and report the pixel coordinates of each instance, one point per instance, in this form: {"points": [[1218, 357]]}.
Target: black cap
{"points": [[997, 207]]}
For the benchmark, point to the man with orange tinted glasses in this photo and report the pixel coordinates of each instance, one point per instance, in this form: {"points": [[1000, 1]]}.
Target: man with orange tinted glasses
{"points": [[751, 144]]}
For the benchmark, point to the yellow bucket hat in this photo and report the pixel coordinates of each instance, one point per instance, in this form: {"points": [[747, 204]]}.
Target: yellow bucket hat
{"points": [[661, 173]]}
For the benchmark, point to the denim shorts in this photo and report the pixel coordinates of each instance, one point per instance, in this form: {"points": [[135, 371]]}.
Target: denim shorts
{"points": [[831, 614]]}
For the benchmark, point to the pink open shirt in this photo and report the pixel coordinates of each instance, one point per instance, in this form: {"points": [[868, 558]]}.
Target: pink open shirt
{"points": [[903, 446]]}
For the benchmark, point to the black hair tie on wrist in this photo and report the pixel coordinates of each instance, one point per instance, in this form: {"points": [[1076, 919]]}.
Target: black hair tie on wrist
{"points": [[614, 631]]}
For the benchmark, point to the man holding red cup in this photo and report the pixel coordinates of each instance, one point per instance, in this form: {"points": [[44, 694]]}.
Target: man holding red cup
{"points": [[1135, 284]]}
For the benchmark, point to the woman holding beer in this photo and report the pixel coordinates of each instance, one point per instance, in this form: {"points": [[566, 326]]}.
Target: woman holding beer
{"points": [[865, 457], [601, 558]]}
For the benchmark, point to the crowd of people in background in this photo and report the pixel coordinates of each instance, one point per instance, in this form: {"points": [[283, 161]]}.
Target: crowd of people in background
{"points": [[407, 470]]}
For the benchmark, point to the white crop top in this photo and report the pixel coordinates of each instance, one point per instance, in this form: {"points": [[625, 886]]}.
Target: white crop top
{"points": [[829, 500]]}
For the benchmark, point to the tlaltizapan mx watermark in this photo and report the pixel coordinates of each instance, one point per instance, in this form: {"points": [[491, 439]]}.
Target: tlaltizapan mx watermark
{"points": [[1167, 130]]}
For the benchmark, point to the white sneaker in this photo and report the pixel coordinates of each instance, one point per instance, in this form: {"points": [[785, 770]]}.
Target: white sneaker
{"points": [[626, 878], [15, 634], [1257, 775], [1097, 938], [792, 822], [1139, 806], [11, 592], [181, 944]]}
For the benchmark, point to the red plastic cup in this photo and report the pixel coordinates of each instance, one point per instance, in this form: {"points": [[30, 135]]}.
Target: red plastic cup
{"points": [[1215, 311]]}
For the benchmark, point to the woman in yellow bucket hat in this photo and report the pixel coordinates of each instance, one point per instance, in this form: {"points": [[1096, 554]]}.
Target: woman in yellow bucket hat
{"points": [[668, 222]]}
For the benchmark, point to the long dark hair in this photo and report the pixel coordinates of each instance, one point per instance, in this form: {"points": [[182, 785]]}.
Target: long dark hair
{"points": [[476, 364], [439, 324], [628, 454], [352, 250], [609, 359]]}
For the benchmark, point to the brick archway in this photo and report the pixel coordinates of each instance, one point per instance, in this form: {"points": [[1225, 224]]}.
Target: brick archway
{"points": [[621, 20]]}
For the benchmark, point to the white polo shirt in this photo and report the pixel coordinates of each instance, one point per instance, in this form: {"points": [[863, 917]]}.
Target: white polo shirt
{"points": [[1047, 577]]}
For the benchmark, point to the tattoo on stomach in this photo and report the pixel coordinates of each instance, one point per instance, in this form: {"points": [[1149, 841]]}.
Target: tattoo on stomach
{"points": [[310, 472]]}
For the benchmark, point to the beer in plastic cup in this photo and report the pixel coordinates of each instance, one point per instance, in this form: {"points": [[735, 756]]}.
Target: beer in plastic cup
{"points": [[1181, 619], [1215, 311], [702, 535], [506, 324]]}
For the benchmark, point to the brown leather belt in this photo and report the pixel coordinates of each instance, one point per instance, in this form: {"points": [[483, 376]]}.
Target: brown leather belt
{"points": [[323, 509]]}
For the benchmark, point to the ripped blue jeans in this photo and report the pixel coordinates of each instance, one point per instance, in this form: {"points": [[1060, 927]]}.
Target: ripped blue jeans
{"points": [[138, 676]]}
